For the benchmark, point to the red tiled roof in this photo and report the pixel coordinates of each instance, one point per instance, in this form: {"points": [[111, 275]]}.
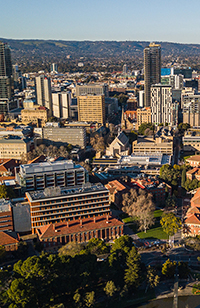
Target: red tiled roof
{"points": [[115, 184], [71, 227], [194, 170], [193, 158], [193, 219], [7, 238], [8, 164], [37, 159], [195, 201]]}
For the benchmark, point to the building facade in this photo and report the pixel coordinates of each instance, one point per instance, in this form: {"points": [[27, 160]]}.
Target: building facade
{"points": [[37, 115], [43, 92], [6, 217], [91, 108], [152, 70], [92, 89], [105, 227], [39, 176], [14, 147], [7, 101], [143, 116], [61, 102], [163, 109], [74, 135], [191, 109], [66, 204]]}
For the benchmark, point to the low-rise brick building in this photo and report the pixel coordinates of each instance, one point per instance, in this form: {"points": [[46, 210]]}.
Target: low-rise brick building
{"points": [[55, 235]]}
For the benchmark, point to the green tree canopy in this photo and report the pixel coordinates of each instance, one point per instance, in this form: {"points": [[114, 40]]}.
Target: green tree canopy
{"points": [[6, 192], [132, 272], [170, 223], [168, 268], [144, 126]]}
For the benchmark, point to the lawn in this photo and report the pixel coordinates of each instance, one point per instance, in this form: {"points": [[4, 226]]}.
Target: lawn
{"points": [[158, 213], [154, 233]]}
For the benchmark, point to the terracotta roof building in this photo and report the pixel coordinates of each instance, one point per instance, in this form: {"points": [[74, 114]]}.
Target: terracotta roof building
{"points": [[192, 218], [9, 240], [194, 161], [55, 235], [116, 191]]}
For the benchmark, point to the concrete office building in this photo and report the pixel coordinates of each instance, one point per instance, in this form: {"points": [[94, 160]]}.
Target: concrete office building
{"points": [[163, 110], [14, 147], [38, 176], [91, 108], [152, 70], [43, 92], [151, 146], [75, 135], [61, 102], [141, 98], [191, 109], [93, 89], [65, 204]]}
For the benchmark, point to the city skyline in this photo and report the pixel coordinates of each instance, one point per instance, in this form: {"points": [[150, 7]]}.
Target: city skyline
{"points": [[113, 20]]}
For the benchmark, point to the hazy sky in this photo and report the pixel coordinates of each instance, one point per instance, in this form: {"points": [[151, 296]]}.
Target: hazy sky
{"points": [[149, 20]]}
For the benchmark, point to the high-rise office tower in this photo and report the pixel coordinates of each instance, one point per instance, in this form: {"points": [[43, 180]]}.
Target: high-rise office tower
{"points": [[91, 108], [6, 78], [43, 92], [152, 70], [54, 68]]}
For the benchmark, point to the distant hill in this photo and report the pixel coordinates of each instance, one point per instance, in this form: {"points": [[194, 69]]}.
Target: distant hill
{"points": [[60, 49]]}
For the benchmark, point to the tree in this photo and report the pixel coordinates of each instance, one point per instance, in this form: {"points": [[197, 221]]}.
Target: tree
{"points": [[170, 201], [140, 205], [6, 192], [168, 268], [70, 249], [132, 272], [152, 278], [183, 178], [110, 288], [142, 128], [123, 243], [90, 299], [2, 252], [97, 246], [97, 143], [170, 223]]}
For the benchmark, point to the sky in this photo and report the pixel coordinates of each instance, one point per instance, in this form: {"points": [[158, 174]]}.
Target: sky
{"points": [[118, 20]]}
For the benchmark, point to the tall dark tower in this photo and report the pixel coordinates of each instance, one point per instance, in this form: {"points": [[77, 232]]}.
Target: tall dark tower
{"points": [[6, 78], [152, 70]]}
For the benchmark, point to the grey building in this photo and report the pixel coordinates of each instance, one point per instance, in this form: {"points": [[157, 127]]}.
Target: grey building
{"points": [[191, 109], [152, 70], [61, 102], [58, 136], [94, 89], [50, 174], [7, 101], [43, 92]]}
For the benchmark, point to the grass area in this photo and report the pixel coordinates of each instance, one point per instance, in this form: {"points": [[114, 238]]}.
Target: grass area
{"points": [[154, 233], [158, 213]]}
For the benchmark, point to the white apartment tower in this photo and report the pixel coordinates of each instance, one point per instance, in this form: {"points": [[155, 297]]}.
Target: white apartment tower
{"points": [[163, 110], [43, 92], [61, 102]]}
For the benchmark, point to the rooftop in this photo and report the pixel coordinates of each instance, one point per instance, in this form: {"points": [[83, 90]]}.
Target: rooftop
{"points": [[5, 205], [59, 165], [71, 227], [64, 191]]}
